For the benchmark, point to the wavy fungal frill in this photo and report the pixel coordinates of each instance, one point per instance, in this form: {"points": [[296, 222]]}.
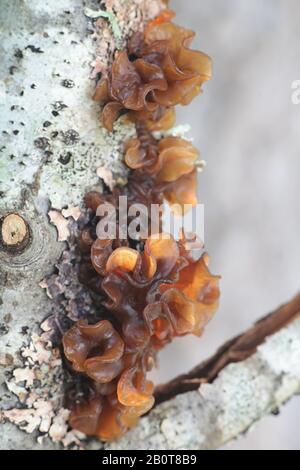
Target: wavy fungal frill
{"points": [[157, 72], [146, 291], [153, 295], [169, 162]]}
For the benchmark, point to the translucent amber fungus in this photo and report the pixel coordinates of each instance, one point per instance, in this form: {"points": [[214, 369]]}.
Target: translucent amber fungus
{"points": [[170, 162], [145, 290], [96, 350], [153, 295], [158, 71], [164, 17]]}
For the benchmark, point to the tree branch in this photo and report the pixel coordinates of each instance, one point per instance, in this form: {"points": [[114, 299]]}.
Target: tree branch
{"points": [[236, 350], [249, 377]]}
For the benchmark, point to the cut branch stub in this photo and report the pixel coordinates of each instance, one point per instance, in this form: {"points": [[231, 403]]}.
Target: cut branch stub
{"points": [[14, 233]]}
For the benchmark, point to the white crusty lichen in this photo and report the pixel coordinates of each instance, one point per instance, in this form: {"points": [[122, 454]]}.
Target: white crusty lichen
{"points": [[52, 139], [38, 386]]}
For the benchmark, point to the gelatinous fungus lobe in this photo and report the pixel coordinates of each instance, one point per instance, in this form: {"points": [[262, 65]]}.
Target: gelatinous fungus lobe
{"points": [[152, 289], [154, 295], [169, 162], [157, 72], [96, 350]]}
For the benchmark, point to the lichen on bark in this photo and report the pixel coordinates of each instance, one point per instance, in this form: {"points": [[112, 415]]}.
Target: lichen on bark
{"points": [[52, 151]]}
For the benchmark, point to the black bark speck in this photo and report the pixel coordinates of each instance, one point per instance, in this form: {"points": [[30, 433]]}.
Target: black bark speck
{"points": [[3, 329], [36, 50], [68, 83], [18, 54], [12, 69], [65, 158], [276, 412], [24, 330], [59, 106], [48, 155]]}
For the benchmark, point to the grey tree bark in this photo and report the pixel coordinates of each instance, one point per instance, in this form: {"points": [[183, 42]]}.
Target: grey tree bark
{"points": [[52, 151]]}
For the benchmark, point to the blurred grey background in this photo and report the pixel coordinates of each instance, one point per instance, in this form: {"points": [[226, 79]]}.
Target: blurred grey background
{"points": [[248, 132]]}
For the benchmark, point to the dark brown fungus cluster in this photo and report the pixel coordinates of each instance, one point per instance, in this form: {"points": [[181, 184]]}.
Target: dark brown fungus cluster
{"points": [[148, 290], [157, 72], [153, 295]]}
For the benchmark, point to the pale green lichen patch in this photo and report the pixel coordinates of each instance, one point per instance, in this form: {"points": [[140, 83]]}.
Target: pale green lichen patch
{"points": [[110, 16]]}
